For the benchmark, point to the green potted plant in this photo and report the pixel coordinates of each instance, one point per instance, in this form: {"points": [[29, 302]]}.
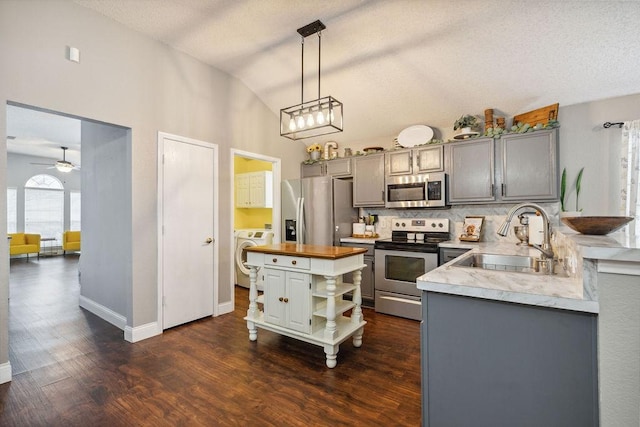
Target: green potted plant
{"points": [[466, 124], [563, 194]]}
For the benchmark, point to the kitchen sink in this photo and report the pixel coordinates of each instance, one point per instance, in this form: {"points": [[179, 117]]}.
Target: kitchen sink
{"points": [[512, 263]]}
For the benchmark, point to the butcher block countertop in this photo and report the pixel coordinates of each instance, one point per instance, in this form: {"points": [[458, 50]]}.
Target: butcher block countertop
{"points": [[308, 251]]}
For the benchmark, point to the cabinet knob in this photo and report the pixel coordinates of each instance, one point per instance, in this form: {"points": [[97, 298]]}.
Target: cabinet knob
{"points": [[275, 260], [294, 262], [286, 300], [280, 299]]}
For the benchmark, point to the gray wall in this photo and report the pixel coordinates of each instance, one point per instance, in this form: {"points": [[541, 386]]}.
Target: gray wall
{"points": [[584, 142], [129, 80], [106, 218]]}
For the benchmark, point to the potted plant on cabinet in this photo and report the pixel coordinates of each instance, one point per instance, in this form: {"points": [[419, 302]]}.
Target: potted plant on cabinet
{"points": [[466, 124], [563, 194]]}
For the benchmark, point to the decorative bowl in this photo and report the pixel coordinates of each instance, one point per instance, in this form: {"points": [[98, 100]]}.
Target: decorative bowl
{"points": [[596, 225]]}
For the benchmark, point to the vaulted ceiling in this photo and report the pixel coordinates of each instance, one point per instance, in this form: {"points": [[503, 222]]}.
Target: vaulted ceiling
{"points": [[398, 63]]}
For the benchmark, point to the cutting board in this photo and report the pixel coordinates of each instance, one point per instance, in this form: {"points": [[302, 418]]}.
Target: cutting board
{"points": [[541, 115]]}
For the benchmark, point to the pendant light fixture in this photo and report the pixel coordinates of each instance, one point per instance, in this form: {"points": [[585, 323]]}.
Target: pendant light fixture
{"points": [[320, 116]]}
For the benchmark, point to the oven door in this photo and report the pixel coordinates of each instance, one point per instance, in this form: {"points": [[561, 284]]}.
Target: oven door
{"points": [[397, 271]]}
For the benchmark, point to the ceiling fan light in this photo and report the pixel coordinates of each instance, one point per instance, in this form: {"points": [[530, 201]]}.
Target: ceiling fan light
{"points": [[65, 167]]}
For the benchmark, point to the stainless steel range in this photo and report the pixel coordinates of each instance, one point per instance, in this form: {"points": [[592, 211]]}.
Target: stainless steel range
{"points": [[411, 252]]}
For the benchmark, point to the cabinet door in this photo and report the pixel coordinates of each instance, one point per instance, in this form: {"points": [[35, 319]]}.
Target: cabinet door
{"points": [[399, 162], [311, 170], [298, 303], [243, 196], [274, 293], [429, 159], [338, 167], [256, 190], [471, 178], [368, 180], [530, 166]]}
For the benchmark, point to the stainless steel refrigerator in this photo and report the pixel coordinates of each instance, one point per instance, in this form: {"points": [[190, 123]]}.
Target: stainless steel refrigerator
{"points": [[317, 211]]}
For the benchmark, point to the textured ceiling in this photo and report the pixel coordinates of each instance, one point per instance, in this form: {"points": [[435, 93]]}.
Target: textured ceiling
{"points": [[398, 63]]}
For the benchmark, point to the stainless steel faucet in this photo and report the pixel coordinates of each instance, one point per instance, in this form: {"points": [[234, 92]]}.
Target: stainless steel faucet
{"points": [[546, 249]]}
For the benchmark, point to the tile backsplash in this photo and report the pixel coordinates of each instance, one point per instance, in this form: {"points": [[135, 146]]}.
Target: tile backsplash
{"points": [[493, 217]]}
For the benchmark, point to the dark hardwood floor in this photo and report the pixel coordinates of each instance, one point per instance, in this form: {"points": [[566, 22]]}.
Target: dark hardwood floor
{"points": [[71, 368]]}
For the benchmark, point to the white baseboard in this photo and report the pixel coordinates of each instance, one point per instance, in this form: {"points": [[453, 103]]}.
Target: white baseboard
{"points": [[143, 332], [225, 308], [103, 312], [5, 372]]}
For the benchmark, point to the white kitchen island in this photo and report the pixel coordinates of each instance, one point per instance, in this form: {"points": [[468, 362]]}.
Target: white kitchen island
{"points": [[303, 294]]}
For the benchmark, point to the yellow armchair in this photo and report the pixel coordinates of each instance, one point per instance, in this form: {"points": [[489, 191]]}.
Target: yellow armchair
{"points": [[23, 243], [70, 241]]}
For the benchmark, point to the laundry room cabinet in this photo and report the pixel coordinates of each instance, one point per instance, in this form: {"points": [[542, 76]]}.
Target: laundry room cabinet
{"points": [[254, 189]]}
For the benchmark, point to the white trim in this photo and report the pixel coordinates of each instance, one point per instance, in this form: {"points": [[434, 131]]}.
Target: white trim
{"points": [[5, 372], [619, 267], [143, 332], [226, 307], [160, 212], [276, 165], [118, 320]]}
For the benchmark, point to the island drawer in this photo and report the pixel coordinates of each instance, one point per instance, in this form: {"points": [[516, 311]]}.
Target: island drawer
{"points": [[296, 262]]}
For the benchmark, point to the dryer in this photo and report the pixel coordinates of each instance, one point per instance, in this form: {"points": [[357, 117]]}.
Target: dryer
{"points": [[244, 239]]}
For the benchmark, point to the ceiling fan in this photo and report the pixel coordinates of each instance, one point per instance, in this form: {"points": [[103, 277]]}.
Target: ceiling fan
{"points": [[62, 165]]}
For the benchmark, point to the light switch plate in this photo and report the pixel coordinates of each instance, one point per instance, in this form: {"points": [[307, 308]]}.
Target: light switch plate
{"points": [[73, 54]]}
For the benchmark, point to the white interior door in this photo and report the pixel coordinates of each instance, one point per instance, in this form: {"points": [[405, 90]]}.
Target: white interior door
{"points": [[188, 226]]}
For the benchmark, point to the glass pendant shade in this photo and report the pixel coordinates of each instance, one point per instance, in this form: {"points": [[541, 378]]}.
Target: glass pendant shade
{"points": [[331, 123]]}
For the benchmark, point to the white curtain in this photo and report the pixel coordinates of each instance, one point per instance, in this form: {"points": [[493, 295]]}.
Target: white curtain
{"points": [[630, 172]]}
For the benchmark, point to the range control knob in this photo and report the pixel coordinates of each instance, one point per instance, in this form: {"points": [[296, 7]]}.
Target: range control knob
{"points": [[440, 225], [433, 225], [404, 225]]}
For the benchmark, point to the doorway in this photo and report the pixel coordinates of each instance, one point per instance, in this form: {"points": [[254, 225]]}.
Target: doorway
{"points": [[274, 165], [103, 166]]}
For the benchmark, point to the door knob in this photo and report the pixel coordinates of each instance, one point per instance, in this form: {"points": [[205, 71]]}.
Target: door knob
{"points": [[209, 240]]}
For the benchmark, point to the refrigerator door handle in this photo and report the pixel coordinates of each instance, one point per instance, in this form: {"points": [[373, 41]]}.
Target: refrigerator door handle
{"points": [[300, 222]]}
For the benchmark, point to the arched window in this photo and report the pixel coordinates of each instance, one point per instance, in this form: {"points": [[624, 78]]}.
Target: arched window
{"points": [[44, 206]]}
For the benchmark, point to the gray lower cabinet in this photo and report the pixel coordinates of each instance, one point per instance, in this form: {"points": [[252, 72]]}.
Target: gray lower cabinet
{"points": [[449, 254], [368, 180], [367, 287], [491, 363]]}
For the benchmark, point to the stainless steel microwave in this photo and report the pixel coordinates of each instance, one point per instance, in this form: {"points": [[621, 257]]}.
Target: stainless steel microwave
{"points": [[416, 191]]}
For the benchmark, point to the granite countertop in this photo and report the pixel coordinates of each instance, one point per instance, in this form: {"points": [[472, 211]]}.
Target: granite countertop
{"points": [[613, 247], [361, 240], [307, 251], [556, 291], [532, 289]]}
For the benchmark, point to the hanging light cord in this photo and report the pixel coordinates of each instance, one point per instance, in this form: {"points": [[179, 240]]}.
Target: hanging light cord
{"points": [[319, 56], [302, 74]]}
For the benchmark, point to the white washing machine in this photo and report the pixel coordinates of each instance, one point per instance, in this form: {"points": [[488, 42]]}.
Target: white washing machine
{"points": [[244, 239]]}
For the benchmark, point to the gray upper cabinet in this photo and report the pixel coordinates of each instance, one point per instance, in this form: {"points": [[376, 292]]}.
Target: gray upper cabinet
{"points": [[337, 168], [429, 159], [415, 161], [368, 180], [530, 166], [471, 171], [311, 170], [516, 167]]}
